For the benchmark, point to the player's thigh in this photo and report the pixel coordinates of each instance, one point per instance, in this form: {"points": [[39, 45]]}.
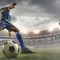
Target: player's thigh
{"points": [[13, 28]]}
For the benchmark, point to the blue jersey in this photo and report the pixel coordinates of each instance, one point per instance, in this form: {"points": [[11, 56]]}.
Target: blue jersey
{"points": [[5, 20], [6, 16]]}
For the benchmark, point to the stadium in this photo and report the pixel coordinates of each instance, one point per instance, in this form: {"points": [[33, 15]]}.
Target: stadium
{"points": [[47, 47]]}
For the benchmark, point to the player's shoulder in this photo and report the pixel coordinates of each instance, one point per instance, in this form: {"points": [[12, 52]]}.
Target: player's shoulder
{"points": [[4, 9]]}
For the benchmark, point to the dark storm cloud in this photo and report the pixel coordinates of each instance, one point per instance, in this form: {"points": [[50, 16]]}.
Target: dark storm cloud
{"points": [[10, 1], [5, 2], [43, 2], [48, 6], [17, 1]]}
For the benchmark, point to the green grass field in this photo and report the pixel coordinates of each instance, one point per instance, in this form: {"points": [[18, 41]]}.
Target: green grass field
{"points": [[41, 54]]}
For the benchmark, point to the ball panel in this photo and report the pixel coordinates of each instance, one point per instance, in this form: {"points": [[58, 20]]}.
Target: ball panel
{"points": [[13, 41], [11, 49]]}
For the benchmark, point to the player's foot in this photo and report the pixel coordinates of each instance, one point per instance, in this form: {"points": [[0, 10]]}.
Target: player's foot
{"points": [[26, 51]]}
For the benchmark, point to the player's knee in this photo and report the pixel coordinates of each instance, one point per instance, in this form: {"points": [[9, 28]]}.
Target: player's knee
{"points": [[18, 34], [16, 30]]}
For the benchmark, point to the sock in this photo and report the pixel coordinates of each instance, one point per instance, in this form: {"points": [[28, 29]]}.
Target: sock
{"points": [[19, 37]]}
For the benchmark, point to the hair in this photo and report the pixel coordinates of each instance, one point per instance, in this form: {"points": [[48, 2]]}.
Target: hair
{"points": [[14, 4]]}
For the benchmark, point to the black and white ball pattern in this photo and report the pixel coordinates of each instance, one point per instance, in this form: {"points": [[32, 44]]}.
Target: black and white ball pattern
{"points": [[10, 49]]}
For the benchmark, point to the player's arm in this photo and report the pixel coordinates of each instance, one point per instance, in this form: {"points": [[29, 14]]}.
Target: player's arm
{"points": [[10, 7], [6, 8], [2, 9]]}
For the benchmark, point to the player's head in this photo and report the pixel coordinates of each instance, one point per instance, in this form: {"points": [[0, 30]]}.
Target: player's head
{"points": [[13, 4]]}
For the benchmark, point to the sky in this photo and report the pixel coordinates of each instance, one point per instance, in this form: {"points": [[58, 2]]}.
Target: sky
{"points": [[34, 15]]}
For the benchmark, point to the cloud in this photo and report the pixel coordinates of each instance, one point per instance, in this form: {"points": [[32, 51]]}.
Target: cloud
{"points": [[50, 6], [33, 23], [35, 14], [11, 1], [33, 7], [45, 3]]}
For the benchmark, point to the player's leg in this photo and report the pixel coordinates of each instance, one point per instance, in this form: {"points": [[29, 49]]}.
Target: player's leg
{"points": [[23, 47], [9, 33], [20, 39], [18, 35]]}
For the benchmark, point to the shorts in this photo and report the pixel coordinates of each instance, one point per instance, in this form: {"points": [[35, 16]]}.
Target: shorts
{"points": [[7, 25]]}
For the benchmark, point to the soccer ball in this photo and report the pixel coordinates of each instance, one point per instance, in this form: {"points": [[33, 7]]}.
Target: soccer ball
{"points": [[10, 49]]}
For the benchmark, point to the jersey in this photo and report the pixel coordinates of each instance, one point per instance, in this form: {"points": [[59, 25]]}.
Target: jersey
{"points": [[6, 16], [5, 21]]}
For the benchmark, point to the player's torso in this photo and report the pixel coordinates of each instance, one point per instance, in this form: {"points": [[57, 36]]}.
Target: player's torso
{"points": [[6, 16]]}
